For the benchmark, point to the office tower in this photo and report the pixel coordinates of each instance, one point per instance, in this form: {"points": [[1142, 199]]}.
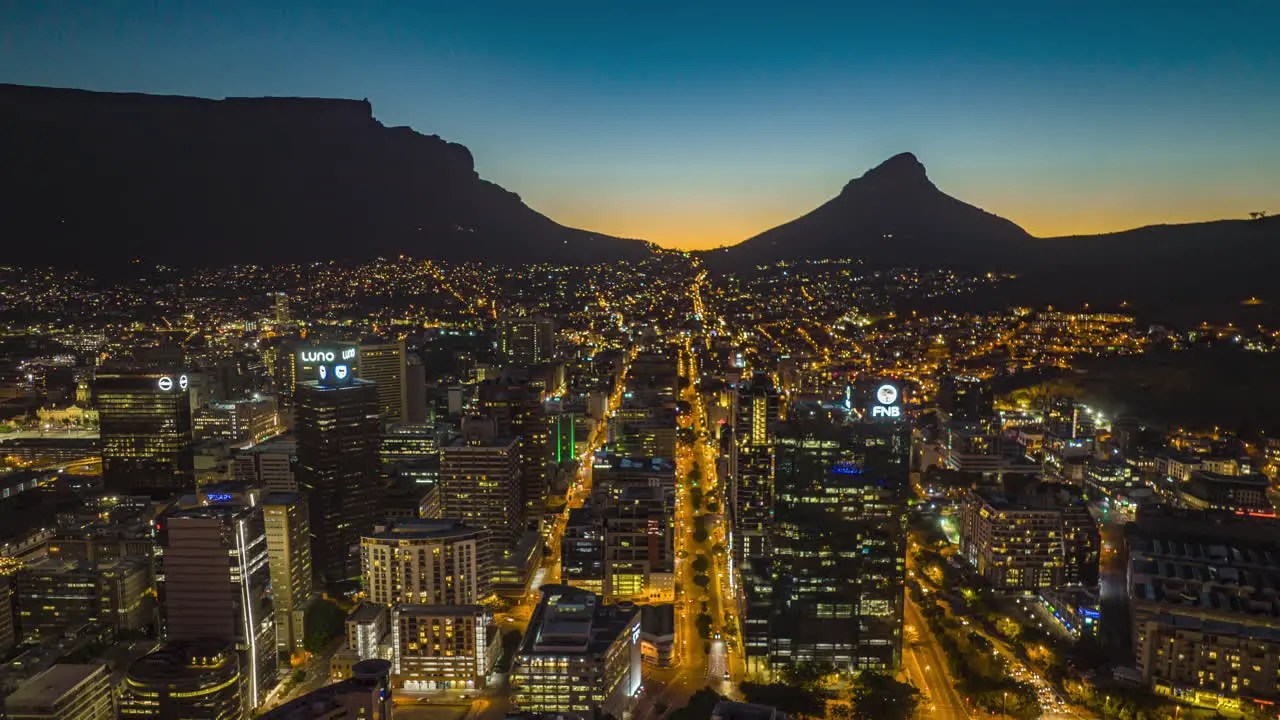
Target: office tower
{"points": [[144, 417], [750, 506], [366, 695], [639, 561], [966, 399], [516, 410], [288, 527], [442, 647], [409, 450], [383, 362], [183, 680], [582, 550], [480, 481], [427, 562], [1041, 537], [838, 548], [8, 631], [526, 341], [214, 581], [282, 308], [337, 431], [268, 466], [238, 422], [578, 656], [756, 410], [415, 384], [55, 596], [64, 692]]}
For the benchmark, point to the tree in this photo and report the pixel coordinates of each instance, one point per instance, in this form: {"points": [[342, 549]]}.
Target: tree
{"points": [[879, 697], [700, 534], [703, 623], [701, 564], [323, 621], [791, 699], [699, 707], [701, 581]]}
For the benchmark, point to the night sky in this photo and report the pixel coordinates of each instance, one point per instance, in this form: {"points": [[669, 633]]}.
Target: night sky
{"points": [[695, 124]]}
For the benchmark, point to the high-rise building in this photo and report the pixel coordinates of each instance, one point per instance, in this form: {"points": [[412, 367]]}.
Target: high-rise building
{"points": [[480, 481], [239, 422], [214, 581], [526, 341], [337, 428], [1042, 537], [427, 562], [838, 549], [281, 301], [383, 362], [751, 482], [145, 423], [64, 692], [578, 656], [288, 527], [183, 680], [517, 411], [582, 550], [442, 647], [8, 631], [639, 560], [965, 399], [366, 695]]}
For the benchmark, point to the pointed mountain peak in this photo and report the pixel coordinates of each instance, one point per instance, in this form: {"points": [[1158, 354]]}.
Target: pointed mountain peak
{"points": [[901, 170], [902, 165]]}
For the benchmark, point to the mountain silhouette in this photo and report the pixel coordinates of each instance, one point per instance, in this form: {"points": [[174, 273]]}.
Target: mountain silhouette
{"points": [[95, 179], [891, 215], [895, 216]]}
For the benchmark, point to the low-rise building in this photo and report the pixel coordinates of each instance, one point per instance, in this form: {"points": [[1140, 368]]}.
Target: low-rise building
{"points": [[365, 695], [578, 655], [64, 692], [1206, 490]]}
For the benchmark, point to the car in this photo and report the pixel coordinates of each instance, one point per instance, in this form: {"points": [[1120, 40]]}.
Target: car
{"points": [[726, 674]]}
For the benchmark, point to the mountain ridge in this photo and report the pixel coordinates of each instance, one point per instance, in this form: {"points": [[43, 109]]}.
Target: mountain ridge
{"points": [[189, 181]]}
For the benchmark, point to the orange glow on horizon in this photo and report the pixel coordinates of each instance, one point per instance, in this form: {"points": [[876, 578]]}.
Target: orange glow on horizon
{"points": [[690, 232]]}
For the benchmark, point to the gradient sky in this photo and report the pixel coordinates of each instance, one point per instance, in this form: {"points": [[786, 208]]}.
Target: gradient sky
{"points": [[696, 124]]}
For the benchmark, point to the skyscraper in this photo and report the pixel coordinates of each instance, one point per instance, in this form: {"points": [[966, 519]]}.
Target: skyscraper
{"points": [[288, 528], [145, 422], [383, 362], [480, 481], [751, 466], [838, 545], [214, 582], [526, 341], [516, 410], [338, 425]]}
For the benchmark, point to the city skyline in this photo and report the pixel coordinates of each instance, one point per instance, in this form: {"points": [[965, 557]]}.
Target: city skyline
{"points": [[694, 128]]}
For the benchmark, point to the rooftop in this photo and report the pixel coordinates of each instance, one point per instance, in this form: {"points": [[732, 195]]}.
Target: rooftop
{"points": [[49, 686]]}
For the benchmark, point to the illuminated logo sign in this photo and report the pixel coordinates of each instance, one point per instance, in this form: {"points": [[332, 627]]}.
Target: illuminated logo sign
{"points": [[324, 372], [887, 397], [182, 382], [166, 383], [219, 497], [348, 353], [340, 372], [846, 468], [316, 356], [887, 394]]}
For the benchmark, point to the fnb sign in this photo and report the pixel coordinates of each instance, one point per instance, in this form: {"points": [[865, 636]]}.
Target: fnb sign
{"points": [[882, 411]]}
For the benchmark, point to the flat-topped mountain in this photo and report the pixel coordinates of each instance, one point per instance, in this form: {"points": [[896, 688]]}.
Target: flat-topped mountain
{"points": [[93, 179]]}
